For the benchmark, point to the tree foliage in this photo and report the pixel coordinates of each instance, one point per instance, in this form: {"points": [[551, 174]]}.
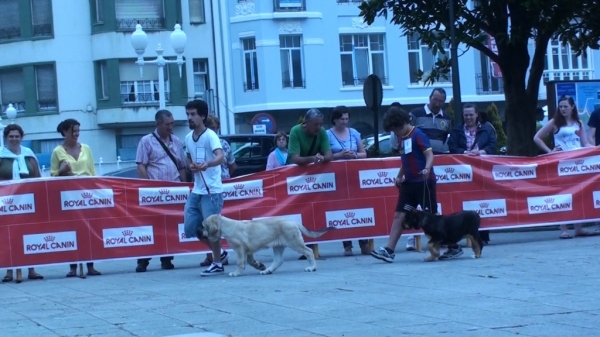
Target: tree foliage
{"points": [[514, 24]]}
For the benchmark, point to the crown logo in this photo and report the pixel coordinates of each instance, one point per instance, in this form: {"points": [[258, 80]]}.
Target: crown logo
{"points": [[349, 215], [164, 191], [449, 170], [311, 179], [127, 232], [238, 186], [87, 195], [579, 161], [8, 201], [549, 200], [49, 238], [514, 168], [382, 174], [484, 205]]}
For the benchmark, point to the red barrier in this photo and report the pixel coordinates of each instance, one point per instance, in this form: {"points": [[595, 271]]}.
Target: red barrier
{"points": [[62, 220]]}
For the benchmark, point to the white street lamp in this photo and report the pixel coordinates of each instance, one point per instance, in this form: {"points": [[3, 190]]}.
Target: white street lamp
{"points": [[139, 42], [11, 113]]}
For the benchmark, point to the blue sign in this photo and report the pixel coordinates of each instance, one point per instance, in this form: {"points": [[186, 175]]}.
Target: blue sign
{"points": [[585, 94], [265, 119]]}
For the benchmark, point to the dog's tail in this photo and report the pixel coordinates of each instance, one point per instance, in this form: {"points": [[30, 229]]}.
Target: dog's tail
{"points": [[314, 234]]}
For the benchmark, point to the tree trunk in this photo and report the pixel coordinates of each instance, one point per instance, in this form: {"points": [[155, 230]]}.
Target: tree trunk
{"points": [[520, 107]]}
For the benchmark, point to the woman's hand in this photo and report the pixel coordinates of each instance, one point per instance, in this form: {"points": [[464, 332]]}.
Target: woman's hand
{"points": [[65, 168], [557, 149]]}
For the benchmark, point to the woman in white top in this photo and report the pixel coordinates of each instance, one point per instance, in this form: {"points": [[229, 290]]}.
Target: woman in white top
{"points": [[569, 134]]}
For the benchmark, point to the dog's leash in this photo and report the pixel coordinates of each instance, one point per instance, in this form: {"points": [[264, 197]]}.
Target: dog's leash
{"points": [[208, 190], [427, 192]]}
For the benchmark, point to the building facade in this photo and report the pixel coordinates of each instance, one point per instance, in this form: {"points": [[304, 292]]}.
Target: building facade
{"points": [[73, 59], [286, 56]]}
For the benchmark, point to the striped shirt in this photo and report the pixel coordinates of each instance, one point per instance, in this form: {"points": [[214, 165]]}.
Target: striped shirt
{"points": [[158, 163]]}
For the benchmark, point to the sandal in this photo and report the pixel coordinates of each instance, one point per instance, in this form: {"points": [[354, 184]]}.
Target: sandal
{"points": [[7, 279], [35, 276], [207, 262]]}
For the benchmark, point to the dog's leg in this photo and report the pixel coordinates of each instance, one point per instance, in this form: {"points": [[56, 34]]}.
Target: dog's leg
{"points": [[241, 262], [432, 251], [277, 260], [476, 244], [310, 256], [254, 263]]}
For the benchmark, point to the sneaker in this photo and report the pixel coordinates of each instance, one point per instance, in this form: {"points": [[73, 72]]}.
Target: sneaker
{"points": [[382, 254], [213, 270], [451, 254], [224, 256], [410, 244]]}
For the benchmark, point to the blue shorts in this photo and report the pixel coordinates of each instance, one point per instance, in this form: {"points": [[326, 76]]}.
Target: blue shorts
{"points": [[197, 208]]}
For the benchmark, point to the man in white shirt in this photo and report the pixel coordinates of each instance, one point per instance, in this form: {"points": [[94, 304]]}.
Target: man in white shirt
{"points": [[204, 159]]}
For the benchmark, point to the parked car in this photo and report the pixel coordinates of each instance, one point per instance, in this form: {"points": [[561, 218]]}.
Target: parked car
{"points": [[249, 150], [385, 144]]}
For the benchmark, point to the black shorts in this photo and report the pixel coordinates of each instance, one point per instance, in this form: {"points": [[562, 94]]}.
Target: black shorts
{"points": [[417, 193]]}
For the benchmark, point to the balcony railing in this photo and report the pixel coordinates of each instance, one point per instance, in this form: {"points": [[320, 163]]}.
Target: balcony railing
{"points": [[250, 86], [358, 2], [294, 84], [10, 33], [488, 85], [147, 24], [289, 5], [143, 99], [20, 106], [47, 105], [356, 82], [568, 74], [42, 29]]}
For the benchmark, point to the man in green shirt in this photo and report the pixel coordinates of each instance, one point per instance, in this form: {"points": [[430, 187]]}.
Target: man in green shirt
{"points": [[309, 142]]}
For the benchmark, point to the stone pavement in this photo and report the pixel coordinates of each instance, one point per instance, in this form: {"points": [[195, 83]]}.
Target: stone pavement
{"points": [[527, 284]]}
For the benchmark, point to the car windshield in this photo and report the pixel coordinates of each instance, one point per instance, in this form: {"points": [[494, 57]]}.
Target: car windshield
{"points": [[245, 149]]}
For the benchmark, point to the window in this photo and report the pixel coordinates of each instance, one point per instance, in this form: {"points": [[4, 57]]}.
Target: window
{"points": [[245, 150], [99, 11], [10, 26], [12, 88], [140, 90], [362, 55], [562, 64], [41, 17], [250, 64], [420, 57], [103, 80], [48, 145], [288, 5], [200, 78], [46, 87], [292, 73], [197, 11], [128, 146], [149, 13]]}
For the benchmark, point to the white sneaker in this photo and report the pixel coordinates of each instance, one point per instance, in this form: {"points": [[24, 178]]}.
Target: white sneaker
{"points": [[410, 244]]}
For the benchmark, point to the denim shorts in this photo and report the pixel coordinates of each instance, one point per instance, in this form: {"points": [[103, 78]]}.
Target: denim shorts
{"points": [[197, 208]]}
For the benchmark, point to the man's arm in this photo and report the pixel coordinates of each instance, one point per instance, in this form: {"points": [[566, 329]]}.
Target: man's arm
{"points": [[141, 159], [325, 146], [428, 159], [296, 159]]}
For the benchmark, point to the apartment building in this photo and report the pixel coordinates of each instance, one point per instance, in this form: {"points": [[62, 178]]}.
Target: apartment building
{"points": [[73, 59], [285, 56]]}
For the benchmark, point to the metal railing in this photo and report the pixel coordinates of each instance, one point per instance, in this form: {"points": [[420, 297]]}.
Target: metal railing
{"points": [[289, 5], [349, 1], [102, 167], [568, 74], [488, 85], [42, 29], [149, 98], [294, 84], [10, 33], [250, 86], [147, 24]]}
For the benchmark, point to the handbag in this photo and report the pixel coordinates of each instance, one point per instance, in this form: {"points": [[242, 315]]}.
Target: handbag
{"points": [[189, 175]]}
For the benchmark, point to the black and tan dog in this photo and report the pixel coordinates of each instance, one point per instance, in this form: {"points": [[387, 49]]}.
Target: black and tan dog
{"points": [[446, 229]]}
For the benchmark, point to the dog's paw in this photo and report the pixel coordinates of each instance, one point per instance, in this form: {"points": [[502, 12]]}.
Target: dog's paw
{"points": [[259, 265], [430, 259], [475, 256], [310, 269], [266, 272], [234, 274]]}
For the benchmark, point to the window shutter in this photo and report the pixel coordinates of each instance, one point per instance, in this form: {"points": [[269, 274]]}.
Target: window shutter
{"points": [[139, 9], [12, 86], [196, 11], [9, 15], [129, 71], [46, 83], [41, 12]]}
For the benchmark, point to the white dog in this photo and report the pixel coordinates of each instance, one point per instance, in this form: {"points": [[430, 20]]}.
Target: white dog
{"points": [[249, 236]]}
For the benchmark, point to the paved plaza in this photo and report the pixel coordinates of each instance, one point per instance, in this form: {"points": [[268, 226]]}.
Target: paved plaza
{"points": [[526, 284]]}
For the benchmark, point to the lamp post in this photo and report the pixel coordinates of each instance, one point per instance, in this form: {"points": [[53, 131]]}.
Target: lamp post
{"points": [[11, 113], [454, 66], [139, 41]]}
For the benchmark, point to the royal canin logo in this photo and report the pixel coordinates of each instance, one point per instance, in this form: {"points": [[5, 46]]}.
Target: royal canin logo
{"points": [[128, 232], [579, 161], [349, 215], [549, 200], [449, 170], [514, 168], [8, 201], [484, 205], [164, 191], [311, 179], [87, 195], [49, 238], [238, 186], [382, 174]]}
